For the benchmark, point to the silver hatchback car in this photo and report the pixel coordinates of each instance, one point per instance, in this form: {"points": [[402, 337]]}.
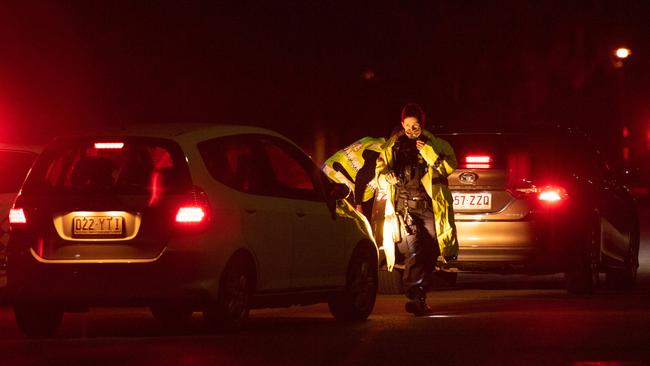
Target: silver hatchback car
{"points": [[218, 219]]}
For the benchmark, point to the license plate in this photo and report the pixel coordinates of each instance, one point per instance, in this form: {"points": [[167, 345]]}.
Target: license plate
{"points": [[472, 201], [97, 225]]}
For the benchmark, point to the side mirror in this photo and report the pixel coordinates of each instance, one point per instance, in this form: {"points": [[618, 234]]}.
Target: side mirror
{"points": [[339, 191]]}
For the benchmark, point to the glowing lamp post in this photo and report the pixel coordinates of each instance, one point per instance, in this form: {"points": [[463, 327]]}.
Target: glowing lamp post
{"points": [[620, 55], [623, 53]]}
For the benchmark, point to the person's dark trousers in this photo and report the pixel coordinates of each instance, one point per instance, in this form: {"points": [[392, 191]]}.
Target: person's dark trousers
{"points": [[421, 253]]}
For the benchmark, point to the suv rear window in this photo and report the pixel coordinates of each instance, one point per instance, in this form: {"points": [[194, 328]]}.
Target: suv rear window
{"points": [[133, 166], [14, 166]]}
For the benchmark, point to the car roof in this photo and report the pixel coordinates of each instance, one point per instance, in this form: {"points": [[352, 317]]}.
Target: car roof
{"points": [[36, 149], [178, 131], [532, 129]]}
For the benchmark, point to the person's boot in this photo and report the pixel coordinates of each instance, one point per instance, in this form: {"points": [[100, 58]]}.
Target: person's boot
{"points": [[417, 305]]}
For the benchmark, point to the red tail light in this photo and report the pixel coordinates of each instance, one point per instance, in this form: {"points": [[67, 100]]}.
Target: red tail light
{"points": [[109, 145], [17, 216], [552, 194], [195, 209], [478, 162], [190, 214]]}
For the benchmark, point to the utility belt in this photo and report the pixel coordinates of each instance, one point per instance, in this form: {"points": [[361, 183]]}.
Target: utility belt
{"points": [[413, 203]]}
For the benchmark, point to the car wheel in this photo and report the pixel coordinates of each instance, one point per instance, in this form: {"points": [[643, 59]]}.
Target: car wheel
{"points": [[38, 320], [582, 273], [171, 315], [390, 283], [625, 278], [230, 310], [357, 300]]}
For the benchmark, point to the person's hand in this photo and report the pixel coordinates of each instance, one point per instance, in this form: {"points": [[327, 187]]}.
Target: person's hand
{"points": [[419, 144], [391, 178]]}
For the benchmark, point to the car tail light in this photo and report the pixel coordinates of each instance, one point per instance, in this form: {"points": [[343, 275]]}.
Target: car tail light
{"points": [[109, 145], [190, 214], [17, 216], [548, 194], [552, 194], [478, 162], [195, 209]]}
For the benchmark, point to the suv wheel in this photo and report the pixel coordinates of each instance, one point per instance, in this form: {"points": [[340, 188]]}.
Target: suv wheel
{"points": [[230, 310], [38, 320], [357, 300]]}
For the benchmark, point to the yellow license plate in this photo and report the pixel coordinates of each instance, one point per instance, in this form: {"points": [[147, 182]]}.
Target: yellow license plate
{"points": [[472, 201], [97, 225]]}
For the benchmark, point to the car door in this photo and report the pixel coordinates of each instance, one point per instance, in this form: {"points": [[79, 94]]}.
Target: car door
{"points": [[266, 224], [611, 203], [317, 258], [618, 219]]}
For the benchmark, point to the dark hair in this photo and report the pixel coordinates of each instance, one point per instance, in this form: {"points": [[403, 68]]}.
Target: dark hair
{"points": [[413, 110]]}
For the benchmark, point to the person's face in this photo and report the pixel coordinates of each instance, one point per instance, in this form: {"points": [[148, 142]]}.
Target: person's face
{"points": [[412, 127]]}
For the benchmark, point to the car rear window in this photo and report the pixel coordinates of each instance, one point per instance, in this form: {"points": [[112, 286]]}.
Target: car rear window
{"points": [[499, 148], [530, 155], [128, 166], [14, 166]]}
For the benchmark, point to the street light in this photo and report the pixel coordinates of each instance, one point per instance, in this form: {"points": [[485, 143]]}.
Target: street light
{"points": [[623, 53], [620, 55]]}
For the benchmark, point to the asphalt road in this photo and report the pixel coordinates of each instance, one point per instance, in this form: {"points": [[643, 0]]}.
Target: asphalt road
{"points": [[484, 320]]}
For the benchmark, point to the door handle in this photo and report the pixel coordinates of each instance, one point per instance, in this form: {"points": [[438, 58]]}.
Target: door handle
{"points": [[300, 214], [250, 210]]}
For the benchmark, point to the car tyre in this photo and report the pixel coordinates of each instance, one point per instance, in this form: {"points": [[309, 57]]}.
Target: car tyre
{"points": [[357, 300], [38, 320], [230, 310], [390, 283]]}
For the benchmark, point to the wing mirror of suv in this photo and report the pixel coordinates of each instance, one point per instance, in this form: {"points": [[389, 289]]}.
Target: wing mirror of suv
{"points": [[339, 191]]}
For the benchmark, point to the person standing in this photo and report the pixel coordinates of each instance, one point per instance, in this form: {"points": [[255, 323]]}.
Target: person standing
{"points": [[414, 166]]}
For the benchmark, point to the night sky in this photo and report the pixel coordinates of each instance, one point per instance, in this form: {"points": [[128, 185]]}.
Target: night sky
{"points": [[329, 69]]}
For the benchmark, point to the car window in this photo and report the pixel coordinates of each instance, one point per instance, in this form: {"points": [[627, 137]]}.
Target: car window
{"points": [[137, 167], [291, 170], [14, 166], [530, 156], [236, 162]]}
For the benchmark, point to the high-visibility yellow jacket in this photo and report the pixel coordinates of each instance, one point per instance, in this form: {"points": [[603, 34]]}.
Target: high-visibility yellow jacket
{"points": [[441, 162], [352, 160]]}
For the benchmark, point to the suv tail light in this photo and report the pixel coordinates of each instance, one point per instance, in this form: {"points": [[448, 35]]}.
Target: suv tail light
{"points": [[17, 216], [193, 210]]}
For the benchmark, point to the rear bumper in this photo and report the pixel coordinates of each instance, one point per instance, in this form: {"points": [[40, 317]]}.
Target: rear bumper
{"points": [[174, 276], [536, 245]]}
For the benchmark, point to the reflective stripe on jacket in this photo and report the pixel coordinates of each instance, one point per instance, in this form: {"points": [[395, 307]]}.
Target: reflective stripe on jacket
{"points": [[441, 162], [351, 158]]}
